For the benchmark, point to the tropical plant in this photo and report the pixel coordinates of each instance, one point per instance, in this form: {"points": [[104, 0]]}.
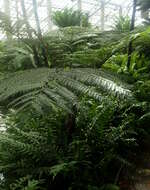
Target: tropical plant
{"points": [[72, 125], [44, 152], [122, 24], [69, 17], [5, 23], [145, 4], [26, 146], [80, 47], [20, 184], [57, 87], [144, 7], [16, 58]]}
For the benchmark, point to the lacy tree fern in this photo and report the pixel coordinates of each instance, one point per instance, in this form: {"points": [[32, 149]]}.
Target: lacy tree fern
{"points": [[57, 87], [69, 17]]}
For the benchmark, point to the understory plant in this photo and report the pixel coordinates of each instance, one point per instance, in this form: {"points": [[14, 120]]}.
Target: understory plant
{"points": [[79, 122], [67, 151]]}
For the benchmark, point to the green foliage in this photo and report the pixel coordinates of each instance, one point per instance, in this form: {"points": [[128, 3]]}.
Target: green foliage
{"points": [[80, 47], [140, 65], [30, 184], [71, 46], [144, 7], [122, 24], [144, 4], [142, 90], [110, 187], [90, 57], [5, 23], [116, 63], [15, 29], [40, 146], [69, 17], [64, 168], [16, 58], [54, 88], [73, 126], [141, 42], [30, 153]]}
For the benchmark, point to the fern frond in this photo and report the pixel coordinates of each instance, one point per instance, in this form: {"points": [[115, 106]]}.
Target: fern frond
{"points": [[19, 146], [100, 80], [32, 136], [58, 88]]}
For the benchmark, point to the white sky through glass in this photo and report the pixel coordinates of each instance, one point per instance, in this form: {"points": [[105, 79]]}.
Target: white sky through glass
{"points": [[89, 6]]}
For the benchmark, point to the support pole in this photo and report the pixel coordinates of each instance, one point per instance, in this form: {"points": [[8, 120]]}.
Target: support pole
{"points": [[49, 14], [130, 48], [8, 13], [102, 15]]}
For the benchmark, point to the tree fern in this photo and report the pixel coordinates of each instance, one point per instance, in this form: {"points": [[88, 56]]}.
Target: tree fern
{"points": [[68, 17], [57, 87]]}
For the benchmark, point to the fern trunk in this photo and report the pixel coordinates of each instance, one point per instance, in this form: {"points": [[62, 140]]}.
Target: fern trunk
{"points": [[35, 7], [49, 14], [36, 57], [130, 49], [102, 15], [7, 12]]}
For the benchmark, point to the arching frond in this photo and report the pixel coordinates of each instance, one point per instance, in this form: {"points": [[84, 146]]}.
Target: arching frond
{"points": [[57, 87], [102, 80]]}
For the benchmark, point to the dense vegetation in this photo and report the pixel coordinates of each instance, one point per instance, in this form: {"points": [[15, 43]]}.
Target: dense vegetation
{"points": [[69, 17], [73, 115]]}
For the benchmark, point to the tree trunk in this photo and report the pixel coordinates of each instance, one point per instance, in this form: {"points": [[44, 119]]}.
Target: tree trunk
{"points": [[17, 9], [120, 11], [35, 7], [35, 10], [17, 15], [102, 15], [25, 17], [70, 124], [49, 14], [8, 13], [145, 14], [36, 57], [133, 15], [131, 29], [80, 5]]}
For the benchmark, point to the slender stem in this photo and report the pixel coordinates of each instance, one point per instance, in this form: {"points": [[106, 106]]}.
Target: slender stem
{"points": [[8, 13], [35, 9], [130, 48], [49, 14], [118, 175], [102, 15], [36, 57]]}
